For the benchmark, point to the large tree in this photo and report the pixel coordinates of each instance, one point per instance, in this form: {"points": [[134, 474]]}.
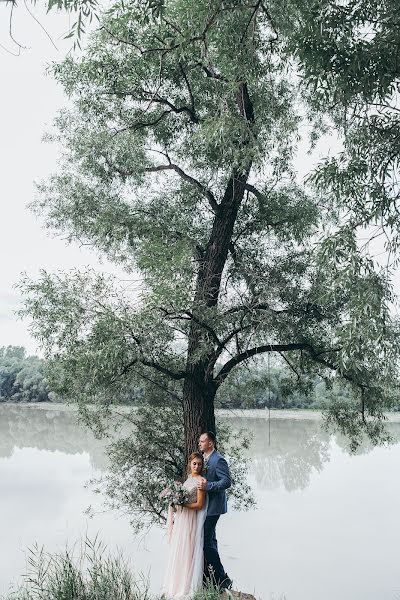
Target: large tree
{"points": [[178, 166]]}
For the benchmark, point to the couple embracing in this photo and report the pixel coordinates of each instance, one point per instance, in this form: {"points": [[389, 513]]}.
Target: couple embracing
{"points": [[193, 553]]}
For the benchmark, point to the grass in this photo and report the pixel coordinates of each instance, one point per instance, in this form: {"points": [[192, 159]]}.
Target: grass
{"points": [[211, 592], [92, 575], [89, 574]]}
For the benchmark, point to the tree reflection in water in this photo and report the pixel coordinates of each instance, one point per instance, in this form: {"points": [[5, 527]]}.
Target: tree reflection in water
{"points": [[299, 447], [393, 428], [48, 428]]}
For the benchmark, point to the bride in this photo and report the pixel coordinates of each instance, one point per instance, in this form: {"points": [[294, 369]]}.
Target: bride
{"points": [[184, 575]]}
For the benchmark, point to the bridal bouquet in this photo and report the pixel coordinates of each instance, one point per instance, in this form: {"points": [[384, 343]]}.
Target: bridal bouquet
{"points": [[174, 495]]}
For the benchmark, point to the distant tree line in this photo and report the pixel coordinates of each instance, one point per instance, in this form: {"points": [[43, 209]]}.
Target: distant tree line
{"points": [[22, 377], [276, 387]]}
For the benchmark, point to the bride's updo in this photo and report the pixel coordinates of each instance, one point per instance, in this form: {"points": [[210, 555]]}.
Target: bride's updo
{"points": [[192, 457]]}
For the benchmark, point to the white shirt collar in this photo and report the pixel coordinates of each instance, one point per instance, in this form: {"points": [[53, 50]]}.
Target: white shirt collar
{"points": [[207, 456]]}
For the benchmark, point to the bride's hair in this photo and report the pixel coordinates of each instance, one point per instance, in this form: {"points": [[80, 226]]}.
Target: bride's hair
{"points": [[192, 457]]}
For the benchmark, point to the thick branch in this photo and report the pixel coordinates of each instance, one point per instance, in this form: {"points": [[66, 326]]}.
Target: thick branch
{"points": [[189, 316], [255, 306], [179, 109], [211, 74], [203, 190], [175, 375], [255, 191], [164, 370], [143, 124], [233, 362], [189, 87]]}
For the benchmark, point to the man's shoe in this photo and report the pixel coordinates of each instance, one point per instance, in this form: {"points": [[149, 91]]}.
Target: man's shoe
{"points": [[226, 584]]}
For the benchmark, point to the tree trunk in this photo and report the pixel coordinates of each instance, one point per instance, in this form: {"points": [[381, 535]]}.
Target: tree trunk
{"points": [[198, 406], [199, 386]]}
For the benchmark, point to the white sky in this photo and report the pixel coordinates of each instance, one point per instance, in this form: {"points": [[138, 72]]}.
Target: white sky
{"points": [[28, 104]]}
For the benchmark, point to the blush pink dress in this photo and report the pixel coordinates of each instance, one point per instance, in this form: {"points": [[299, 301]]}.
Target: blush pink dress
{"points": [[184, 574]]}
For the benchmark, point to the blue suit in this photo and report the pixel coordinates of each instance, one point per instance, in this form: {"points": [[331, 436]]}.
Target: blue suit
{"points": [[218, 480]]}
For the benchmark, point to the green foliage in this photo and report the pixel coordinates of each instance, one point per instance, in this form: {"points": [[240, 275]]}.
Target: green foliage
{"points": [[344, 411], [88, 574], [258, 386], [22, 378], [147, 451], [211, 592], [348, 58], [84, 11], [347, 50]]}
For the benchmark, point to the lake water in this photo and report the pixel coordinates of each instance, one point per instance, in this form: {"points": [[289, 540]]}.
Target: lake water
{"points": [[327, 525]]}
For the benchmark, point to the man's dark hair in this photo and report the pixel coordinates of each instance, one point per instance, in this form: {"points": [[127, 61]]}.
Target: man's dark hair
{"points": [[211, 436]]}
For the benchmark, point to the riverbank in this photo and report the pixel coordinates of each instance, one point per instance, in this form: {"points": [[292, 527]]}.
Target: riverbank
{"points": [[250, 413], [88, 574]]}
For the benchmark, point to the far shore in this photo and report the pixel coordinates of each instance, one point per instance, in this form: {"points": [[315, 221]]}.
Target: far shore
{"points": [[250, 413]]}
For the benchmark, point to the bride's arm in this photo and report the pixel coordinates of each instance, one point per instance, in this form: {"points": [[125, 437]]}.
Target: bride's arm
{"points": [[199, 502]]}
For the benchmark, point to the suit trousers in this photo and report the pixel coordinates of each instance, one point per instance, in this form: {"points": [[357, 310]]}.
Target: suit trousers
{"points": [[211, 556]]}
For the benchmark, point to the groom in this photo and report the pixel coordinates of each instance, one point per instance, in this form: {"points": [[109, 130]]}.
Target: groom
{"points": [[217, 480]]}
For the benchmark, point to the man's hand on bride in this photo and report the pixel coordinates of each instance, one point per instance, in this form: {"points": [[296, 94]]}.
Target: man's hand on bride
{"points": [[201, 483]]}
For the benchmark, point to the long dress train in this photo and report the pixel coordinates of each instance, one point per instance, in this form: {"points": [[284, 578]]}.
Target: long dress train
{"points": [[184, 574]]}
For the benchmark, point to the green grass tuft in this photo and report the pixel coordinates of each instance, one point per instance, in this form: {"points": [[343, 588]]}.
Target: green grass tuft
{"points": [[92, 575], [89, 574]]}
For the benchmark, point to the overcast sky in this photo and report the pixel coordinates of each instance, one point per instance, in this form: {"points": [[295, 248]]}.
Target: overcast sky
{"points": [[29, 102]]}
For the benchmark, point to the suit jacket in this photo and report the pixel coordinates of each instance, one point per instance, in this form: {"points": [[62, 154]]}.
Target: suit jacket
{"points": [[218, 480]]}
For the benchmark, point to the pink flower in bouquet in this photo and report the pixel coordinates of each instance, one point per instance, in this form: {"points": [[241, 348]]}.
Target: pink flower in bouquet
{"points": [[174, 495]]}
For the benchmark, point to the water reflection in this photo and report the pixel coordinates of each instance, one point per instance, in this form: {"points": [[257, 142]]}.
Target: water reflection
{"points": [[393, 429], [337, 537], [297, 449], [47, 429]]}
